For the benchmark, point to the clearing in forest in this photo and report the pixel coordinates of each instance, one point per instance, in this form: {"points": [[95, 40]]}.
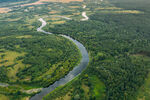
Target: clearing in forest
{"points": [[24, 36], [9, 57], [54, 12], [4, 10], [123, 12], [74, 6], [3, 97], [43, 2], [58, 22]]}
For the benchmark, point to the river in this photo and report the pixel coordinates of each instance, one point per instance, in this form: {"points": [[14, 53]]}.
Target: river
{"points": [[84, 15], [72, 74]]}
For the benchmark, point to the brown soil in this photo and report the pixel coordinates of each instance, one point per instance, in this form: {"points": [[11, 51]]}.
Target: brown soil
{"points": [[54, 12], [64, 1], [43, 2], [74, 6], [4, 10]]}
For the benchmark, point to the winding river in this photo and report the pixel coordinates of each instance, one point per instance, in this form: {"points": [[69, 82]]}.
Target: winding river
{"points": [[84, 15], [72, 74]]}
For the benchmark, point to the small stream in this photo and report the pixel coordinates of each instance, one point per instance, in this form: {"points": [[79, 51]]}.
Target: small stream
{"points": [[84, 15]]}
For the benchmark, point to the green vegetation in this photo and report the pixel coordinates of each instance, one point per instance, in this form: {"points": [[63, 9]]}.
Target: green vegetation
{"points": [[116, 37], [113, 40], [28, 59], [98, 88], [39, 54], [3, 97], [84, 88], [143, 93], [36, 61]]}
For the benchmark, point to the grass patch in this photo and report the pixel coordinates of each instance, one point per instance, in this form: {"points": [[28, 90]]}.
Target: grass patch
{"points": [[128, 11], [11, 20], [66, 97], [59, 22], [13, 70], [108, 8], [77, 13], [74, 6], [123, 12], [25, 98], [44, 2], [98, 88], [24, 36], [54, 12], [53, 19], [86, 90], [8, 59], [3, 97]]}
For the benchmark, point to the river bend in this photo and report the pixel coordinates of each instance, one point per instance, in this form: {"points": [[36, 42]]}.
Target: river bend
{"points": [[72, 74]]}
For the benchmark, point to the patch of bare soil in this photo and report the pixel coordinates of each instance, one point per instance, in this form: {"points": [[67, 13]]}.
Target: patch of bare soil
{"points": [[4, 10], [74, 6], [64, 1], [54, 12], [44, 2]]}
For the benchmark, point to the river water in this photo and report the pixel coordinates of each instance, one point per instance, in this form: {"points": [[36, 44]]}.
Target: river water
{"points": [[72, 74]]}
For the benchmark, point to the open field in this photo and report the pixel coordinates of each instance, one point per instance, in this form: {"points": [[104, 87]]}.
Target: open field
{"points": [[3, 97], [9, 57], [74, 7], [24, 36], [123, 12], [58, 22], [98, 88], [54, 12], [4, 10], [63, 1], [44, 2], [108, 8]]}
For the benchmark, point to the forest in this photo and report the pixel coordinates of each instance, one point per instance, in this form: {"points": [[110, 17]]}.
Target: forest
{"points": [[116, 37], [31, 60], [119, 46]]}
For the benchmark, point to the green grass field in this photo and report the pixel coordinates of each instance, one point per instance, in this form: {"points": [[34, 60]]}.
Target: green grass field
{"points": [[3, 97], [98, 88]]}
